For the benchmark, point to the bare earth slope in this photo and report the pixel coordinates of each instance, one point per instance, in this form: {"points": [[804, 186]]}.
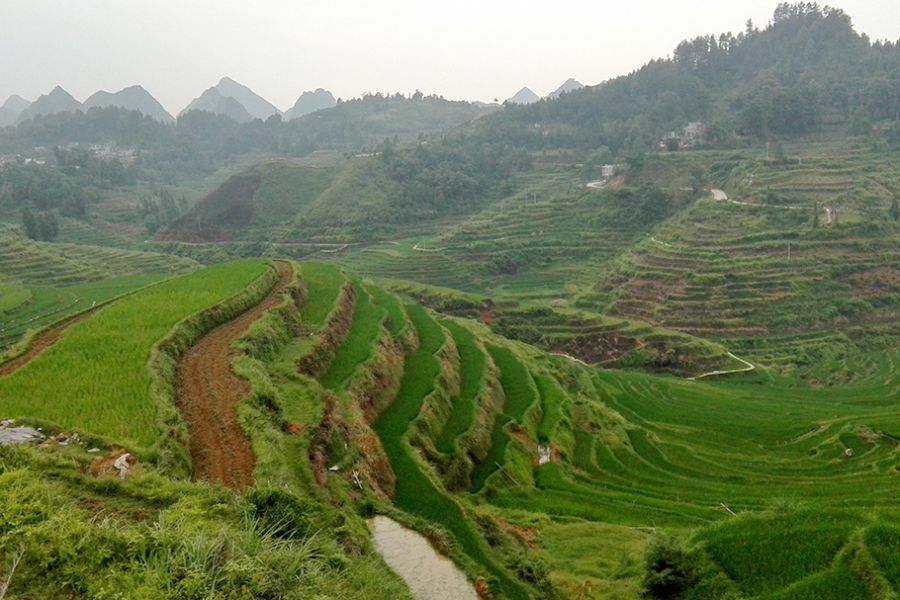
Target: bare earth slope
{"points": [[206, 393]]}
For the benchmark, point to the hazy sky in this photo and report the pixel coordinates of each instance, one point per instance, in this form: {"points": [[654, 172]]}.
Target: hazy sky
{"points": [[461, 49]]}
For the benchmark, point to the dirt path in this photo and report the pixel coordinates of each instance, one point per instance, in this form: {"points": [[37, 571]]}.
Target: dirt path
{"points": [[206, 393], [749, 367], [39, 343]]}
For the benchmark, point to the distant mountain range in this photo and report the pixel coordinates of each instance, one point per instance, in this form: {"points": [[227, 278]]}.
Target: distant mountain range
{"points": [[526, 96], [228, 97], [213, 101]]}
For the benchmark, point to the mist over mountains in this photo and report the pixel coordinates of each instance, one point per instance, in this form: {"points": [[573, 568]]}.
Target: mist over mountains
{"points": [[228, 97]]}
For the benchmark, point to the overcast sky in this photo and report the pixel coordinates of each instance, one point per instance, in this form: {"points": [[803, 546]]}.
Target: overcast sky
{"points": [[461, 49]]}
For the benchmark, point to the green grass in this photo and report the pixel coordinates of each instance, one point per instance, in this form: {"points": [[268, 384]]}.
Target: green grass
{"points": [[357, 347], [514, 379], [471, 371], [12, 295], [763, 555], [580, 551], [151, 537], [391, 304], [95, 378], [49, 305], [323, 282], [552, 398]]}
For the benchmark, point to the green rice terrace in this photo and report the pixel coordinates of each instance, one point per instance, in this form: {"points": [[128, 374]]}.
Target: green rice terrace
{"points": [[538, 475]]}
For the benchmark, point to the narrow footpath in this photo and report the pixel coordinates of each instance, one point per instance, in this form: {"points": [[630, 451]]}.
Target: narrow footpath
{"points": [[207, 391]]}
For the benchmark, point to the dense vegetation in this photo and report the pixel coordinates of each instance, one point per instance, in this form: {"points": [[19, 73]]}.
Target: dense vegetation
{"points": [[808, 68]]}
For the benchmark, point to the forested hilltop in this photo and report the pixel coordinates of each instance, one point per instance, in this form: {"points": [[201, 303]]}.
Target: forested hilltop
{"points": [[807, 69]]}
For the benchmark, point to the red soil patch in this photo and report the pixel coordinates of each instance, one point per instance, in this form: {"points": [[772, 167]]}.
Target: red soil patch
{"points": [[206, 393], [41, 341]]}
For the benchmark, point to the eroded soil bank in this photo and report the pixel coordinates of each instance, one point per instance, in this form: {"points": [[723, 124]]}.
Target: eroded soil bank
{"points": [[429, 575]]}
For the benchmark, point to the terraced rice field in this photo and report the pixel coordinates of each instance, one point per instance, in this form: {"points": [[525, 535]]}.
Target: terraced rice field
{"points": [[48, 305], [357, 347], [95, 378], [471, 372], [415, 493], [41, 263], [758, 270], [425, 267], [519, 392]]}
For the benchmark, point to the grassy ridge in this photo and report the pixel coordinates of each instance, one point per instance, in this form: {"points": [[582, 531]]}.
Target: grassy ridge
{"points": [[471, 371], [514, 379], [95, 378]]}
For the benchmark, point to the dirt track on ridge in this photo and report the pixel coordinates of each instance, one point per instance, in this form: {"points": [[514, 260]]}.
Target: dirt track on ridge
{"points": [[39, 343], [206, 392]]}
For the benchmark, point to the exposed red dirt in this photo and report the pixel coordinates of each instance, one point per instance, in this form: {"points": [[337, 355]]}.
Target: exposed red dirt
{"points": [[206, 393], [39, 343]]}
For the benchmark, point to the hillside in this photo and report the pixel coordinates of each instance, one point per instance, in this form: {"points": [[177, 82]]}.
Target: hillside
{"points": [[807, 69], [574, 347], [514, 461]]}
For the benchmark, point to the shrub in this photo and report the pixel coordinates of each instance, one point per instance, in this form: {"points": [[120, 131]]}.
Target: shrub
{"points": [[669, 569]]}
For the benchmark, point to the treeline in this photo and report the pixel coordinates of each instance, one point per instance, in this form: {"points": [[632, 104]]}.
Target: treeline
{"points": [[199, 141], [808, 68]]}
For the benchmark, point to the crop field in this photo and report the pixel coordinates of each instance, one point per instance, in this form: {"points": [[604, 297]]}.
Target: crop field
{"points": [[95, 377], [415, 493], [323, 282], [42, 263], [12, 295], [762, 475], [390, 304], [46, 305], [424, 267], [357, 347], [471, 372], [802, 247], [515, 380]]}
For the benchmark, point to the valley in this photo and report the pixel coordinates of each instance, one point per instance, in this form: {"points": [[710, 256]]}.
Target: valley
{"points": [[574, 354]]}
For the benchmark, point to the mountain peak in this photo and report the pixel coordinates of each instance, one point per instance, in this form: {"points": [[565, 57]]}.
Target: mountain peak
{"points": [[256, 105], [310, 102], [134, 97], [524, 96], [57, 101], [212, 100], [569, 86]]}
